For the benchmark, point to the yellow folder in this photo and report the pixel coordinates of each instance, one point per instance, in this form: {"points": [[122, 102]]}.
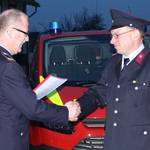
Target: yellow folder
{"points": [[54, 96]]}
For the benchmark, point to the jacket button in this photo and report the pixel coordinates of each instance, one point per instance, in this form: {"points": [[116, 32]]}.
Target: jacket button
{"points": [[115, 124], [116, 99], [118, 86], [136, 88], [134, 81], [145, 132], [115, 111], [144, 83], [21, 133], [106, 84]]}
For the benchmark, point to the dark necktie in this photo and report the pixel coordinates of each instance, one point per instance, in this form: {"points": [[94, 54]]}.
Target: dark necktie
{"points": [[126, 60]]}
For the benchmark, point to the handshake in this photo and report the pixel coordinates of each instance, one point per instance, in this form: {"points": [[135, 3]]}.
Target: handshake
{"points": [[74, 110]]}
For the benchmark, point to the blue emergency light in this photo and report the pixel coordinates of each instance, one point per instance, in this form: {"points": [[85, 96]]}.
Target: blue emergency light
{"points": [[54, 27]]}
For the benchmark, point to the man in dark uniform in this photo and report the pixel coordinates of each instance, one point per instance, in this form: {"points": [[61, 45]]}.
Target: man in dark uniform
{"points": [[18, 103], [124, 87]]}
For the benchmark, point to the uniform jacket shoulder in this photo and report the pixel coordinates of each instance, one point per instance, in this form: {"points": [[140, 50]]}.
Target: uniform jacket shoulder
{"points": [[115, 59], [6, 57]]}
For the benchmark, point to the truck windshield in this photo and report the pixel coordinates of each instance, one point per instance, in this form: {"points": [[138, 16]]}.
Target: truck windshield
{"points": [[80, 59]]}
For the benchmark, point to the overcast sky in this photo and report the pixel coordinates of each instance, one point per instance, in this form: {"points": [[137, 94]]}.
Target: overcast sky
{"points": [[53, 10]]}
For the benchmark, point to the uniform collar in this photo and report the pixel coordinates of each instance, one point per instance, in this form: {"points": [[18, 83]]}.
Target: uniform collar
{"points": [[2, 49], [141, 56], [5, 53], [132, 55]]}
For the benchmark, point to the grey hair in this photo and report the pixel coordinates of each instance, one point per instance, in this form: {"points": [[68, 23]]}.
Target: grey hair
{"points": [[10, 17]]}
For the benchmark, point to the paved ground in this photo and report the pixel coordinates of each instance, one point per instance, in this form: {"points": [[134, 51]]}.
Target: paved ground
{"points": [[43, 147]]}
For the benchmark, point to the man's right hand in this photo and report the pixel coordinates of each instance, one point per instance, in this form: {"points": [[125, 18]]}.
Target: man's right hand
{"points": [[74, 110]]}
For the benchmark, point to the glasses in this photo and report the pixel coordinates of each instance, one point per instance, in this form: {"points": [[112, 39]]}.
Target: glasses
{"points": [[116, 36], [26, 33]]}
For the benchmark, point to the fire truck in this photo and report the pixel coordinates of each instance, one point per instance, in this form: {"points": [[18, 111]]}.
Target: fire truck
{"points": [[80, 57]]}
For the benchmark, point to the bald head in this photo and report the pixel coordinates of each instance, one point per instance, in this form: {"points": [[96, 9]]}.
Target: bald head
{"points": [[13, 30], [10, 17]]}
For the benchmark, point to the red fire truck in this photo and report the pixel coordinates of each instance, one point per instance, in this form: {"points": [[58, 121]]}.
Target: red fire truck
{"points": [[80, 57]]}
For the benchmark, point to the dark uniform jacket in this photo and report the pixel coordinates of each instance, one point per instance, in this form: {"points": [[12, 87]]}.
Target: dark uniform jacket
{"points": [[127, 94], [18, 104]]}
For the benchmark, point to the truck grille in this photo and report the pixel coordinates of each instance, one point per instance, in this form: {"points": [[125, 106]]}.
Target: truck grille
{"points": [[94, 122], [92, 143]]}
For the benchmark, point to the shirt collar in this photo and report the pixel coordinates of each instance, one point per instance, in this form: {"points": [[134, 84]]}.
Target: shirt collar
{"points": [[132, 55]]}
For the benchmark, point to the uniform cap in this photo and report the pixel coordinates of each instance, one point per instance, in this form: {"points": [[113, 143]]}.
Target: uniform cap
{"points": [[121, 19]]}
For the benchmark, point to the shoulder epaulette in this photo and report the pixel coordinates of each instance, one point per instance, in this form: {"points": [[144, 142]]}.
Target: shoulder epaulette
{"points": [[7, 56], [140, 58]]}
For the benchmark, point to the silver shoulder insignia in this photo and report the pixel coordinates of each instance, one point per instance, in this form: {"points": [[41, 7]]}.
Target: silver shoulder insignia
{"points": [[8, 57]]}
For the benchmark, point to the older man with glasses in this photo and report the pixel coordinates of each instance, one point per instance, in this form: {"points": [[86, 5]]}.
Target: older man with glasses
{"points": [[18, 103], [124, 87]]}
